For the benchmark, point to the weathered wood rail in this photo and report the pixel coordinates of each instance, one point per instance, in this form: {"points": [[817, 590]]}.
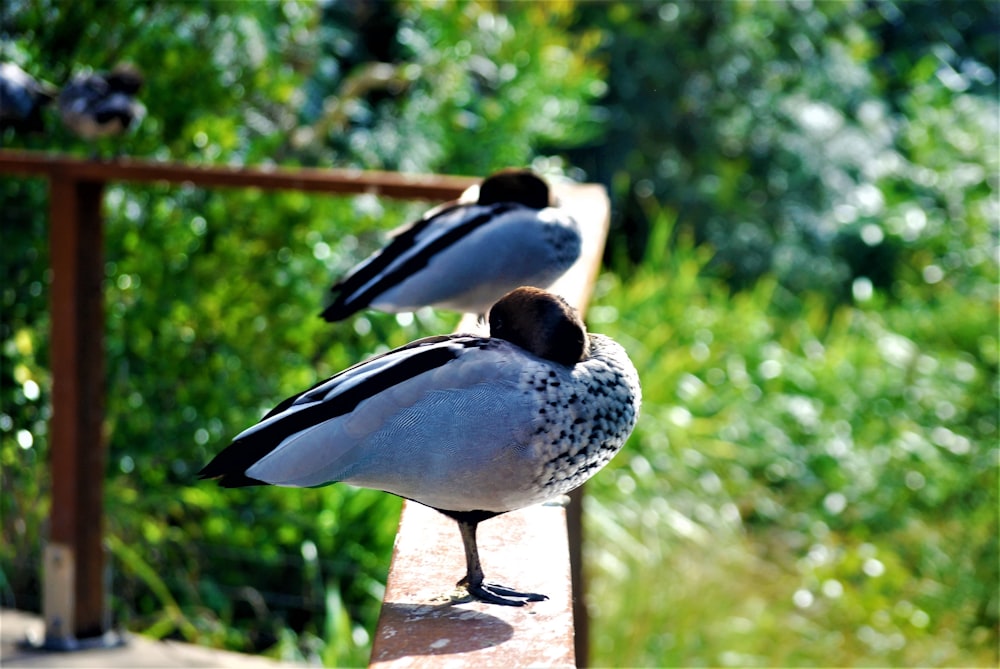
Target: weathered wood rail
{"points": [[537, 549]]}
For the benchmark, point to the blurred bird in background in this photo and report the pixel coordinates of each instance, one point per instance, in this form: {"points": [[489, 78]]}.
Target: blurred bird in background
{"points": [[96, 105], [22, 98], [466, 254]]}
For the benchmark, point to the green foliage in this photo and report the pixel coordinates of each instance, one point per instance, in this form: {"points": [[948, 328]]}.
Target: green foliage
{"points": [[808, 484], [800, 491], [824, 142], [471, 89], [814, 476]]}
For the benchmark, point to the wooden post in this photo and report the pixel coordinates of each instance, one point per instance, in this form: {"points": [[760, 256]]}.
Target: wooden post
{"points": [[581, 619], [74, 601]]}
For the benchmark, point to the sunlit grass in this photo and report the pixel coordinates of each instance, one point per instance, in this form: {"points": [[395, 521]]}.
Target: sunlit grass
{"points": [[806, 489], [729, 600]]}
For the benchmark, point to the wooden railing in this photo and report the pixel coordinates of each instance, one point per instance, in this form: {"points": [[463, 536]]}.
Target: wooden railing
{"points": [[537, 549]]}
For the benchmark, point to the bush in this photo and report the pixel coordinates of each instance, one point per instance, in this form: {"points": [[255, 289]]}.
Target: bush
{"points": [[813, 489]]}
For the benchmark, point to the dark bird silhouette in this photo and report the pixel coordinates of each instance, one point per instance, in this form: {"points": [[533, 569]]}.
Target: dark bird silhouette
{"points": [[468, 425], [465, 255], [22, 98], [95, 105]]}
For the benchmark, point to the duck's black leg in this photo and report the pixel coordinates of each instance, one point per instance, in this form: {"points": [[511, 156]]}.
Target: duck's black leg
{"points": [[474, 580]]}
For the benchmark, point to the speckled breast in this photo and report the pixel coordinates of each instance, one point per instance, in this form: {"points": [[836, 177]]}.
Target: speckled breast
{"points": [[584, 416]]}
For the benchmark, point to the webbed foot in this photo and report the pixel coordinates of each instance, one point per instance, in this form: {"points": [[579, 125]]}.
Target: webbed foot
{"points": [[493, 593]]}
